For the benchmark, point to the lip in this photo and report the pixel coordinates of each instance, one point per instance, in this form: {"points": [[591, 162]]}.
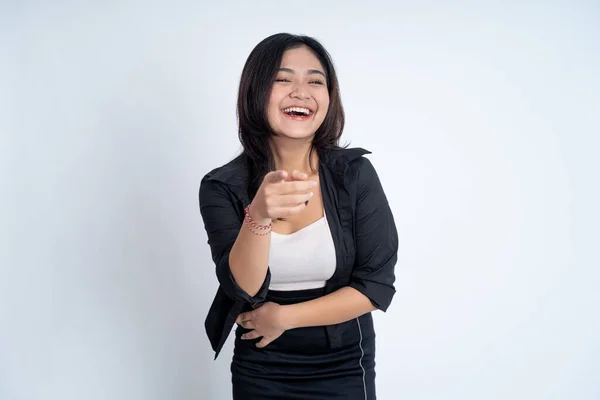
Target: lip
{"points": [[299, 117], [299, 106]]}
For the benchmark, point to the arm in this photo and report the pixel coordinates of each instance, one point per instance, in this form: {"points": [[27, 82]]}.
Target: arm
{"points": [[372, 281], [376, 239], [241, 256], [249, 259], [228, 240], [277, 196], [270, 320], [335, 308]]}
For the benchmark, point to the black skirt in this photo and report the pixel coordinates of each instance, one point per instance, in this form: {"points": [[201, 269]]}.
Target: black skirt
{"points": [[301, 365]]}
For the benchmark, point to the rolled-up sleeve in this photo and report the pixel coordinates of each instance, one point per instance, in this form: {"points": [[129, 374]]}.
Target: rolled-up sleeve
{"points": [[376, 240], [222, 221]]}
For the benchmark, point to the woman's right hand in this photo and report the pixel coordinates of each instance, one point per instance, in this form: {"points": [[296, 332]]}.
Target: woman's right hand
{"points": [[281, 195]]}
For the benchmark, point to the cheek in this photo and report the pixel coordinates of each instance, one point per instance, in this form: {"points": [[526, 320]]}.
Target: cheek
{"points": [[272, 109], [324, 105], [277, 96]]}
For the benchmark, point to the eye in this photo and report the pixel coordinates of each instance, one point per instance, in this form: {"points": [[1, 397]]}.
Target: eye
{"points": [[316, 82], [282, 80]]}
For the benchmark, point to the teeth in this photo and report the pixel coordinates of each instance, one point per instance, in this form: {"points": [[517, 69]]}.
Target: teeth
{"points": [[302, 110]]}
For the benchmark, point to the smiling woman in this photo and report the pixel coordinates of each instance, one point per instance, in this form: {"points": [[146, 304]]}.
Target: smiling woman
{"points": [[300, 230]]}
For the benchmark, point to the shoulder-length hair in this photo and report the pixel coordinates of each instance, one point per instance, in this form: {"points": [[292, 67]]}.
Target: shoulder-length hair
{"points": [[256, 83]]}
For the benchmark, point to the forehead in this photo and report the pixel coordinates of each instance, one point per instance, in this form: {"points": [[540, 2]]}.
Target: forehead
{"points": [[301, 58]]}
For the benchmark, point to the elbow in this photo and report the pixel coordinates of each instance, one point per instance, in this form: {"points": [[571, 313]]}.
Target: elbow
{"points": [[249, 290], [238, 289], [379, 294], [249, 284]]}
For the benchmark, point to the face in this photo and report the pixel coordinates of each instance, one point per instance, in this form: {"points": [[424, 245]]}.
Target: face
{"points": [[299, 98]]}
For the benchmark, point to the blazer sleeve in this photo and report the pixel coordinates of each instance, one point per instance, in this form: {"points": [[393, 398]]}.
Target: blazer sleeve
{"points": [[223, 221], [376, 239]]}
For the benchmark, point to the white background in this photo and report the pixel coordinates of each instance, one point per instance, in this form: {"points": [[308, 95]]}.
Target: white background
{"points": [[483, 122]]}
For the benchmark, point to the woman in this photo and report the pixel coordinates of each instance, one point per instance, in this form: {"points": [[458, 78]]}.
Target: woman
{"points": [[301, 233]]}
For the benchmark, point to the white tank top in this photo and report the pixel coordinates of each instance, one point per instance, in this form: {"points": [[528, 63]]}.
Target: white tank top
{"points": [[304, 259]]}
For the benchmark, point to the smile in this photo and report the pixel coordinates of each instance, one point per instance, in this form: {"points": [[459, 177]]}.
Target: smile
{"points": [[297, 113]]}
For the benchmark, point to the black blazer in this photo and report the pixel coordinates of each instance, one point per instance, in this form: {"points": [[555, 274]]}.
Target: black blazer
{"points": [[361, 224]]}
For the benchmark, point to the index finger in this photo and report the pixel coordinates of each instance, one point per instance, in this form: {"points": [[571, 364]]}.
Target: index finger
{"points": [[276, 176], [296, 175]]}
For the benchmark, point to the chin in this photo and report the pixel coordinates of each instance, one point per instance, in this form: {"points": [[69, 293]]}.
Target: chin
{"points": [[297, 135]]}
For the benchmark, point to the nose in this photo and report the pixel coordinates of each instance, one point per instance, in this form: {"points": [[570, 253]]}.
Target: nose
{"points": [[300, 92]]}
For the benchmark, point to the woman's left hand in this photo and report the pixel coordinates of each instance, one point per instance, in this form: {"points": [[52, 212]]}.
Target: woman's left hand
{"points": [[266, 321]]}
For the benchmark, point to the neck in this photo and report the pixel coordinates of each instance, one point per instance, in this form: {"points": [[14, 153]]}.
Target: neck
{"points": [[292, 155]]}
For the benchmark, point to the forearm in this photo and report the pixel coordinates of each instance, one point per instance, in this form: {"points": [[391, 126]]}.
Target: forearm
{"points": [[340, 306], [249, 260]]}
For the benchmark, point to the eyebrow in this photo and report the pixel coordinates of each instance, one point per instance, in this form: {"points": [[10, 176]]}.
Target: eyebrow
{"points": [[309, 72]]}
